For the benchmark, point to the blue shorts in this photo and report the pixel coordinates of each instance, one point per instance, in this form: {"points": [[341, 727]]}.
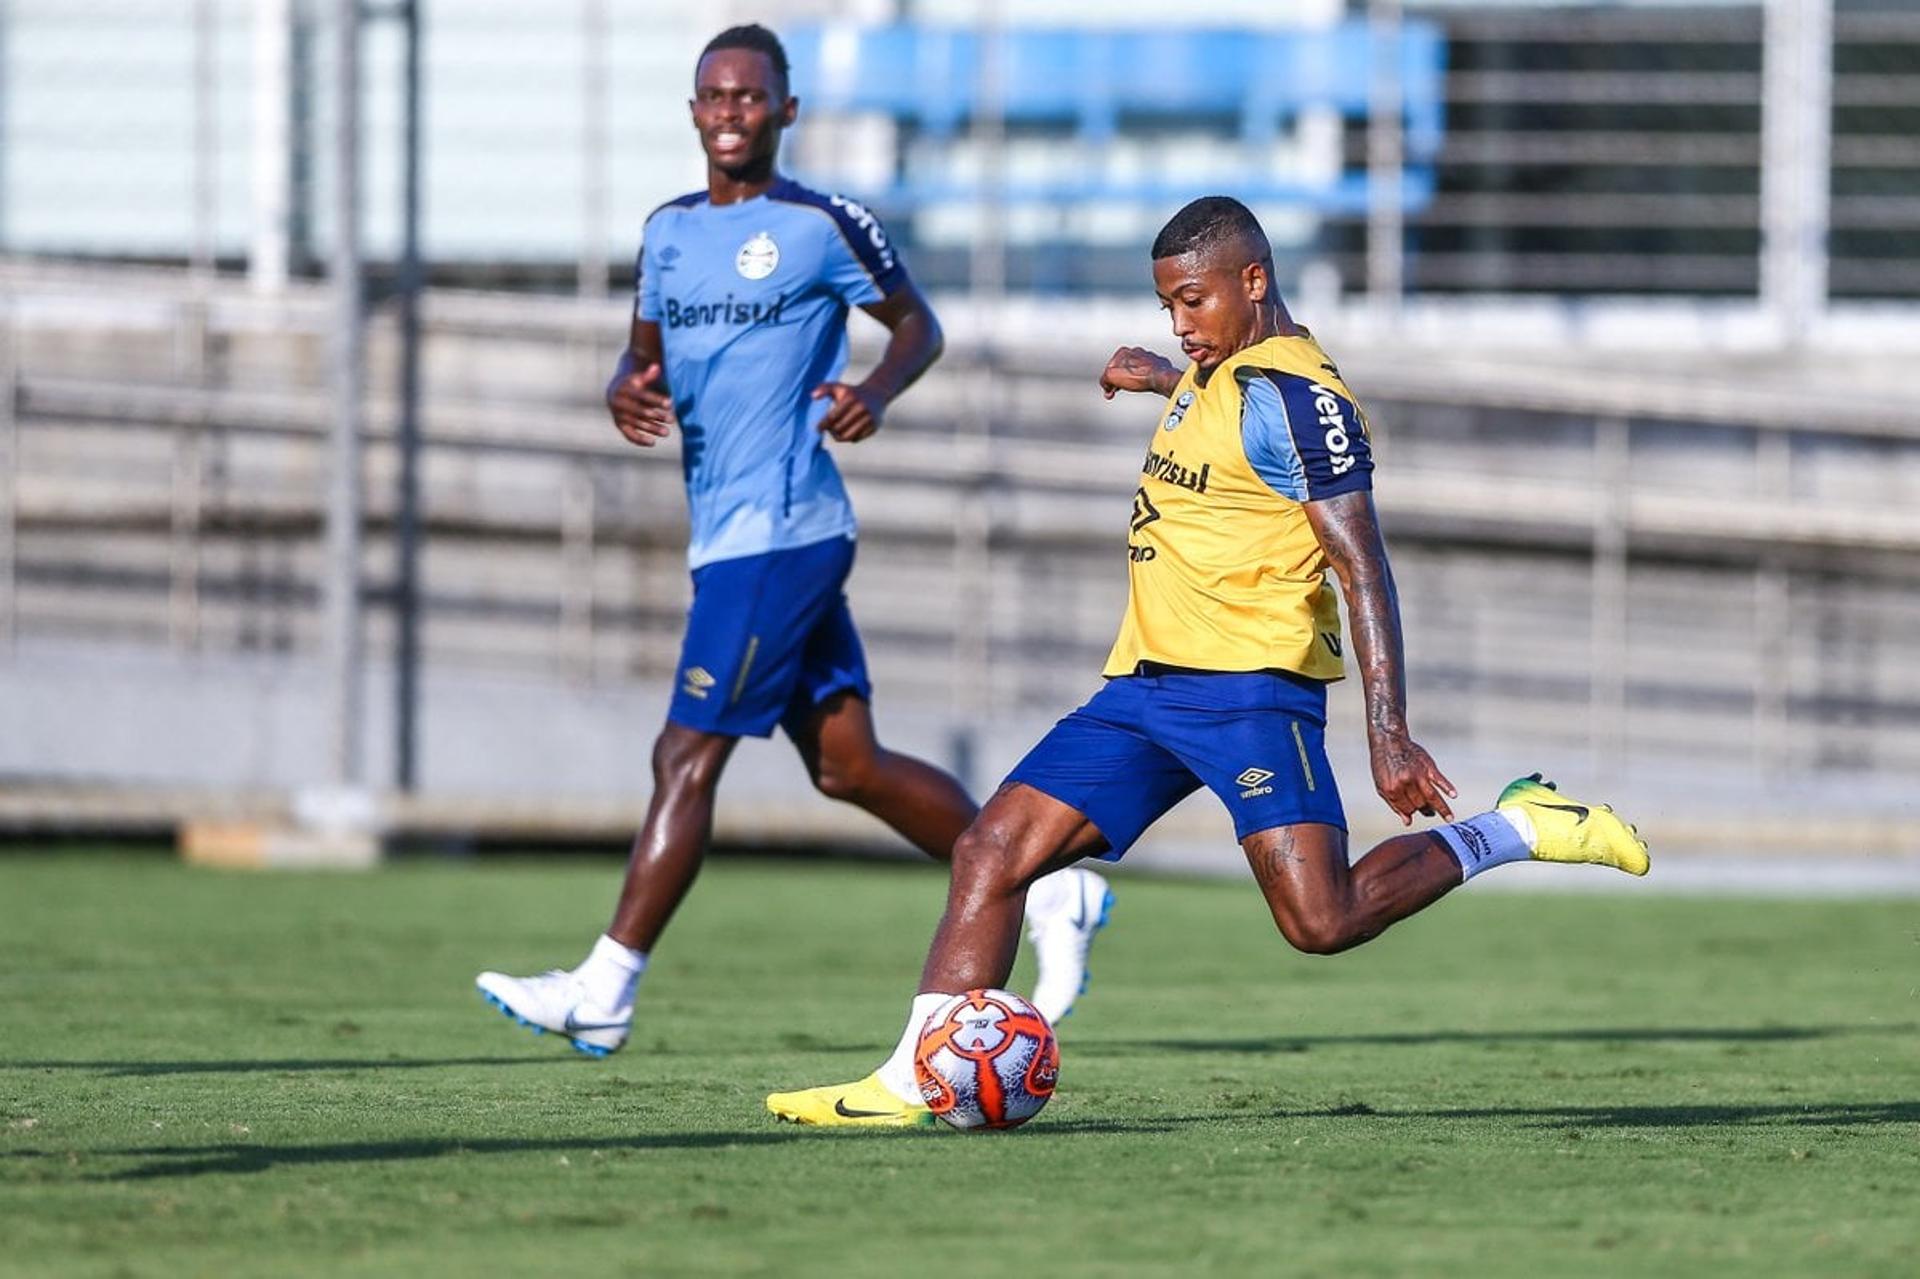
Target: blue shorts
{"points": [[1145, 742], [769, 637]]}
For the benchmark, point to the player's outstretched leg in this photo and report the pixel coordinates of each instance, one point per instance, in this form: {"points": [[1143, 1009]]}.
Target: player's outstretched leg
{"points": [[1020, 835], [1323, 906], [592, 1005], [1065, 910]]}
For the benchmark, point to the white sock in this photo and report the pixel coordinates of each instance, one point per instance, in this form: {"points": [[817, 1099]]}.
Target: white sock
{"points": [[1489, 840], [1051, 894], [609, 974], [897, 1071]]}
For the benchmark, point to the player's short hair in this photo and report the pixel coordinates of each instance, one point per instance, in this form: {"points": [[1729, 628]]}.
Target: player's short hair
{"points": [[1211, 220], [754, 38]]}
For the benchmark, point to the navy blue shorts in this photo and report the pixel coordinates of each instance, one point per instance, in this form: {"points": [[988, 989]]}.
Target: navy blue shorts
{"points": [[769, 637], [1143, 743]]}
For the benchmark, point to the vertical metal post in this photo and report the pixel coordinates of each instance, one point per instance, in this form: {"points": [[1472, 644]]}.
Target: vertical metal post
{"points": [[987, 263], [595, 33], [1773, 617], [345, 656], [406, 593], [9, 473], [189, 470], [1386, 147], [271, 249], [578, 536], [206, 137], [1607, 731], [1796, 140], [5, 82], [971, 674]]}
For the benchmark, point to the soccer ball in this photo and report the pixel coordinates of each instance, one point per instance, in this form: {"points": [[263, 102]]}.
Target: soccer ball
{"points": [[986, 1059]]}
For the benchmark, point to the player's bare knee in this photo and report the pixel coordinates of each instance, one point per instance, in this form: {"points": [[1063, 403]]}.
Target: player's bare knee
{"points": [[1314, 932], [686, 761], [986, 859], [846, 775]]}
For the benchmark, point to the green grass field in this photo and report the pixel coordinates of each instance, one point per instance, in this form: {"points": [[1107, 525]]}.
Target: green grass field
{"points": [[216, 1074]]}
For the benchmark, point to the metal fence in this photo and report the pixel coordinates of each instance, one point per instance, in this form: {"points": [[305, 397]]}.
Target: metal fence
{"points": [[1655, 569], [1697, 545]]}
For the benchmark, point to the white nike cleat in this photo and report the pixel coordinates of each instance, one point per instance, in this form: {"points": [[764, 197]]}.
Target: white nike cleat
{"points": [[1061, 941], [554, 1001]]}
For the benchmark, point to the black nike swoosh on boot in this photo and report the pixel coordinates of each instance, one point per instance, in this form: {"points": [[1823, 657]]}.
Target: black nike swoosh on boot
{"points": [[1580, 811], [840, 1109]]}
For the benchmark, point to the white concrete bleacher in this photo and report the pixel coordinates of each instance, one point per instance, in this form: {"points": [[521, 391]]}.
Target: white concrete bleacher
{"points": [[1755, 646]]}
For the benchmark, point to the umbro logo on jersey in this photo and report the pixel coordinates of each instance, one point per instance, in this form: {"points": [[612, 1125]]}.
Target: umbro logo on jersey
{"points": [[668, 256], [698, 681], [1255, 781]]}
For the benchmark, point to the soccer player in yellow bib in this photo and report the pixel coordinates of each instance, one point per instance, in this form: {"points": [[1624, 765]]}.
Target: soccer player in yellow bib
{"points": [[1258, 479]]}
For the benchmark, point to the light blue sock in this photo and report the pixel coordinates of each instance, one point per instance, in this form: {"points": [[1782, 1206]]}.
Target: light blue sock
{"points": [[1488, 840]]}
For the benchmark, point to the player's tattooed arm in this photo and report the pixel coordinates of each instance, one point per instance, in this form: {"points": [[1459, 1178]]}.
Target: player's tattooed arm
{"points": [[637, 396], [914, 342], [1403, 772], [1134, 368]]}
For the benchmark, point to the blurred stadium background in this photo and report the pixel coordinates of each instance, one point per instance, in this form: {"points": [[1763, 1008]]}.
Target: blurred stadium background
{"points": [[313, 530]]}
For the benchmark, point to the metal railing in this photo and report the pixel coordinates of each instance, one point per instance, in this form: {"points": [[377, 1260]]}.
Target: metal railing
{"points": [[1645, 567]]}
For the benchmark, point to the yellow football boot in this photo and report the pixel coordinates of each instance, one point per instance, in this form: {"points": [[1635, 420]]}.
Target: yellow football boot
{"points": [[867, 1103], [1566, 830]]}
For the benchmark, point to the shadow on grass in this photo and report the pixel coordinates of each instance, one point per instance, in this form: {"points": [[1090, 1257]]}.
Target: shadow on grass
{"points": [[240, 1158], [124, 1069], [1584, 1035], [1808, 1115], [236, 1158]]}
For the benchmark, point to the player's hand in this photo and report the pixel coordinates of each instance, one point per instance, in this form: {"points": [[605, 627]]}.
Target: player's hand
{"points": [[855, 414], [642, 410], [1409, 780], [1134, 368]]}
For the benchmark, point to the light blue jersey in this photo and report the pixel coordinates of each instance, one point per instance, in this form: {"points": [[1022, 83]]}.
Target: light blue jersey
{"points": [[751, 299]]}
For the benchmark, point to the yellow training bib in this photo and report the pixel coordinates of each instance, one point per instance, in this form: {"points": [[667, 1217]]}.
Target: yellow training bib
{"points": [[1225, 572]]}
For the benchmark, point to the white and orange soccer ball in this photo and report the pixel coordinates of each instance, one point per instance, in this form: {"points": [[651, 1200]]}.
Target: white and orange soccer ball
{"points": [[986, 1059]]}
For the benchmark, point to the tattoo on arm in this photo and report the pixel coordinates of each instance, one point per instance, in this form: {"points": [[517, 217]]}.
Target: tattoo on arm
{"points": [[1349, 532]]}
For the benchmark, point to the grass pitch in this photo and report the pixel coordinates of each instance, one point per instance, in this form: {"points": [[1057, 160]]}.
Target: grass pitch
{"points": [[289, 1074]]}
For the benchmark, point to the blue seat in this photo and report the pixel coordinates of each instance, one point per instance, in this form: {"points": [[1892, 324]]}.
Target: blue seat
{"points": [[1092, 82]]}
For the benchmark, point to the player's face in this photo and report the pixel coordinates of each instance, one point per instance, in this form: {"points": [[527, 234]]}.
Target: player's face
{"points": [[740, 105], [1214, 301]]}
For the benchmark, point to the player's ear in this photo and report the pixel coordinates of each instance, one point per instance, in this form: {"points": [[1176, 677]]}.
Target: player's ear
{"points": [[1257, 283], [789, 112]]}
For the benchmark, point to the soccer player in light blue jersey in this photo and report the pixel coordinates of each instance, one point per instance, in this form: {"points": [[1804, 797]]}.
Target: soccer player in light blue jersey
{"points": [[739, 343]]}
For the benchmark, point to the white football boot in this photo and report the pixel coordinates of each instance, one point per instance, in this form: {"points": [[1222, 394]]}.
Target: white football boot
{"points": [[1061, 940], [555, 1001]]}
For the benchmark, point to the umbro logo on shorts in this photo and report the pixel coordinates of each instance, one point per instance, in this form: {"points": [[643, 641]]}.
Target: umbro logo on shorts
{"points": [[1255, 780], [698, 681]]}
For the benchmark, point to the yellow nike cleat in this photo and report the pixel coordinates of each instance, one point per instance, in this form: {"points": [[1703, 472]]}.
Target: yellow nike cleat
{"points": [[1566, 830], [867, 1103]]}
